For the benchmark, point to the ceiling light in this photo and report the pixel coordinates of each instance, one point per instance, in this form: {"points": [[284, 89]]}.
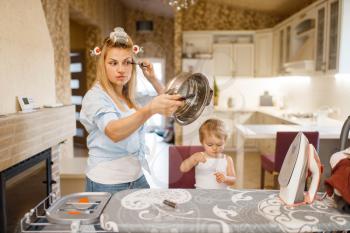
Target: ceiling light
{"points": [[181, 4]]}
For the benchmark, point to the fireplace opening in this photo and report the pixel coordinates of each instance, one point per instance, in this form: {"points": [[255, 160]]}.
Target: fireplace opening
{"points": [[23, 186]]}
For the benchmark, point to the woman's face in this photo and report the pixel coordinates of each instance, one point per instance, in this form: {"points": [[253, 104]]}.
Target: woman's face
{"points": [[118, 65]]}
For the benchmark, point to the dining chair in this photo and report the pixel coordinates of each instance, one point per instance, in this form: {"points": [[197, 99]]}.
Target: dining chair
{"points": [[177, 154], [273, 163]]}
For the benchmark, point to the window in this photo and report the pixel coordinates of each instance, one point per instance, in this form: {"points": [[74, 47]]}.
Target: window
{"points": [[145, 88]]}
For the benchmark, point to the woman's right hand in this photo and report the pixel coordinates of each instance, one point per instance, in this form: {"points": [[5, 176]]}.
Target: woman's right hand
{"points": [[165, 104]]}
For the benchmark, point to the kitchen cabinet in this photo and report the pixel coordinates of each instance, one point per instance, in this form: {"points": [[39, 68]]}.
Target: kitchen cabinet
{"points": [[333, 35], [195, 43], [320, 56], [327, 38], [263, 53], [223, 60], [322, 48], [243, 60], [234, 59]]}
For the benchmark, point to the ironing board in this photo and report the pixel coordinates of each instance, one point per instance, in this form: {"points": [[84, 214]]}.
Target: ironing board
{"points": [[217, 211]]}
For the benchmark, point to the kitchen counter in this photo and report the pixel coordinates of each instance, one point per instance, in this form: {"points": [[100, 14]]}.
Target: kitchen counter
{"points": [[285, 115]]}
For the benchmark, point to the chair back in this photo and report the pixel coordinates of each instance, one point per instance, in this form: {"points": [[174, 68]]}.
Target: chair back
{"points": [[177, 154], [283, 142]]}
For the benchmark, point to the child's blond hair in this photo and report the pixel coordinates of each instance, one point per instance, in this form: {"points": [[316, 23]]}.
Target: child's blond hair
{"points": [[214, 127]]}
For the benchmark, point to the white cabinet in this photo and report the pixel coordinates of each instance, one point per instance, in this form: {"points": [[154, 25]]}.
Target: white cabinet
{"points": [[243, 60], [333, 35], [263, 53], [320, 49], [223, 59], [234, 59], [197, 42]]}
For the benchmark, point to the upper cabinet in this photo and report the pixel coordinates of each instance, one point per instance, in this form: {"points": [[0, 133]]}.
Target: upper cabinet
{"points": [[263, 53], [236, 60], [333, 35], [314, 40], [320, 57], [231, 53]]}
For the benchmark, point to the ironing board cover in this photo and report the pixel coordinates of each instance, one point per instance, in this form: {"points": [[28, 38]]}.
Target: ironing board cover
{"points": [[214, 211]]}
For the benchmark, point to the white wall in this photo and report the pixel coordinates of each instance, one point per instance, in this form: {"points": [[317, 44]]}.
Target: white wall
{"points": [[26, 52], [301, 94]]}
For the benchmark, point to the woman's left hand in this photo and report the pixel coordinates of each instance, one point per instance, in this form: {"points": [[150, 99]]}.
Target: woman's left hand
{"points": [[147, 69]]}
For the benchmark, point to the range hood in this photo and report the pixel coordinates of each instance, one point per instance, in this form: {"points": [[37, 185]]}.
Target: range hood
{"points": [[302, 57], [300, 67]]}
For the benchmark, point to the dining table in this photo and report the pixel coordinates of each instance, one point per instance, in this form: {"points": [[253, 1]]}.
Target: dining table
{"points": [[220, 210], [329, 136]]}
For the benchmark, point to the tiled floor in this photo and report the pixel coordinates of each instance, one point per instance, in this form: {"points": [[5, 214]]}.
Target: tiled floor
{"points": [[158, 161]]}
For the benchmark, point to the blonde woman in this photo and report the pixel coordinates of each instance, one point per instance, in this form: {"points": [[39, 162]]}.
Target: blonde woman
{"points": [[114, 120]]}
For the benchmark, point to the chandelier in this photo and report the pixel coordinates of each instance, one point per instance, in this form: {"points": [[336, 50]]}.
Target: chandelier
{"points": [[181, 4]]}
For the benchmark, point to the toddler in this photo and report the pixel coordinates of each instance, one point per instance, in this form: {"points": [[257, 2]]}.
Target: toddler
{"points": [[213, 169]]}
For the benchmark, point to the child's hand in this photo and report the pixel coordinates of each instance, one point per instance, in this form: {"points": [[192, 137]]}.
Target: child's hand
{"points": [[220, 177], [200, 158]]}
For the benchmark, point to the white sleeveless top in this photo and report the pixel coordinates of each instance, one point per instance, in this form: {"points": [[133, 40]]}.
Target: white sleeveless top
{"points": [[205, 178]]}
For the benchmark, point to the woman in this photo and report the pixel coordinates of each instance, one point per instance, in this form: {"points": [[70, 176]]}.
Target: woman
{"points": [[115, 121]]}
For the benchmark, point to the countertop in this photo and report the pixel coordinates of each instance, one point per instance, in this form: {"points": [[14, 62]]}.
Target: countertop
{"points": [[285, 114]]}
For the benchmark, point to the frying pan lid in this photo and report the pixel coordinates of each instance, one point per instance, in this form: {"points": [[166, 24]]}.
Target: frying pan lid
{"points": [[195, 89]]}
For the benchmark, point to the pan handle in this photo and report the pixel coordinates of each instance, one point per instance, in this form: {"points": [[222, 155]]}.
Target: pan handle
{"points": [[210, 96]]}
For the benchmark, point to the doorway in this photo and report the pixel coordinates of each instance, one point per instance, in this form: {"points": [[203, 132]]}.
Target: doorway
{"points": [[78, 77]]}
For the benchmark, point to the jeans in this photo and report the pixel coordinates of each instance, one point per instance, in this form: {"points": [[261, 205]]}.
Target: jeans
{"points": [[140, 183]]}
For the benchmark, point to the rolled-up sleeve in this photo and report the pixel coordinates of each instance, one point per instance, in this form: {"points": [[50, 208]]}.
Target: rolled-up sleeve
{"points": [[103, 117], [98, 110]]}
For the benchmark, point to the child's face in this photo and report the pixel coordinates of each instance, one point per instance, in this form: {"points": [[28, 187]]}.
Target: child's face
{"points": [[213, 145]]}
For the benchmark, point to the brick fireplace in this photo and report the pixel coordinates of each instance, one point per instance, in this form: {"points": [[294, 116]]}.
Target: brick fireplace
{"points": [[26, 140]]}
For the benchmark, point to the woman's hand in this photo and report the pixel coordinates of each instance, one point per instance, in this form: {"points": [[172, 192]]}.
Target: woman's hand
{"points": [[165, 104], [147, 69], [148, 72]]}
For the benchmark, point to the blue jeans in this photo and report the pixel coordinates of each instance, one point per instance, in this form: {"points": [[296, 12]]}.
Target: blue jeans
{"points": [[140, 183]]}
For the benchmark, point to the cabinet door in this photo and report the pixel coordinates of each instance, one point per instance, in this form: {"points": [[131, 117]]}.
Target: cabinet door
{"points": [[281, 46], [243, 60], [333, 35], [263, 54], [321, 18], [223, 59], [275, 56]]}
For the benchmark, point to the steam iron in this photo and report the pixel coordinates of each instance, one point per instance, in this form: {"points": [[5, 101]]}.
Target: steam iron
{"points": [[301, 160]]}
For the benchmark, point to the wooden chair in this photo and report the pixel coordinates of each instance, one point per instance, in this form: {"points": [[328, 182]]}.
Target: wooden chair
{"points": [[177, 154], [273, 163]]}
